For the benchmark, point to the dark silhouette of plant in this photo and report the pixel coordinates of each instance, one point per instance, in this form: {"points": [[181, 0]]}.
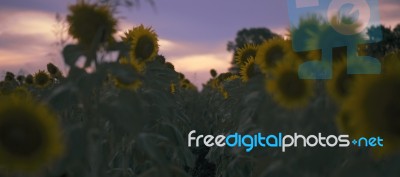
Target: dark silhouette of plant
{"points": [[390, 41]]}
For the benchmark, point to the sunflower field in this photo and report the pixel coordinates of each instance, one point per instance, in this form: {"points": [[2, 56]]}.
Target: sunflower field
{"points": [[130, 114]]}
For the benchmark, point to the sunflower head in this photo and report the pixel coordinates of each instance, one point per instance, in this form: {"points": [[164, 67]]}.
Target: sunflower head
{"points": [[339, 54], [308, 25], [9, 76], [305, 55], [271, 52], [390, 60], [42, 79], [287, 88], [374, 104], [52, 69], [144, 43], [249, 70], [186, 84], [129, 83], [87, 21], [341, 83], [223, 92], [213, 83], [21, 92], [170, 66], [346, 123], [232, 78], [327, 37], [161, 58], [345, 25], [20, 79], [181, 76], [30, 136], [136, 65], [213, 73], [245, 53], [6, 87], [221, 77], [29, 79]]}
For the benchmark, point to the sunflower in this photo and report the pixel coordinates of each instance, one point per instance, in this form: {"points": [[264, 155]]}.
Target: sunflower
{"points": [[29, 79], [232, 78], [144, 43], [327, 38], [345, 122], [249, 70], [30, 136], [21, 92], [9, 76], [213, 73], [391, 59], [287, 88], [221, 77], [339, 86], [181, 76], [87, 21], [6, 87], [170, 65], [213, 83], [245, 53], [186, 84], [375, 106], [270, 52], [129, 83], [42, 79], [160, 58], [223, 92], [300, 35], [307, 26], [20, 79], [137, 66], [339, 54], [54, 71]]}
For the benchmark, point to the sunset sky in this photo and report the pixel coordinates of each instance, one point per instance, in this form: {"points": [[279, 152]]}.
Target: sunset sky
{"points": [[193, 34]]}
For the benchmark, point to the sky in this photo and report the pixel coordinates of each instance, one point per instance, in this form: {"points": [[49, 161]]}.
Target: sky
{"points": [[193, 33]]}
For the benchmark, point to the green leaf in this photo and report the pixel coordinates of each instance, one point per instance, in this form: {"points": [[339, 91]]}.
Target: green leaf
{"points": [[71, 54]]}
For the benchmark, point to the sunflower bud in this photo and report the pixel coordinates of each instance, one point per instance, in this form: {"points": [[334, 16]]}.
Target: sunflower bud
{"points": [[181, 76], [52, 69], [9, 76], [20, 79], [29, 79], [213, 73], [160, 58], [170, 65]]}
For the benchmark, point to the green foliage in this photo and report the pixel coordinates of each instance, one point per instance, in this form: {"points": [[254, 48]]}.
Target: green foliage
{"points": [[111, 131], [390, 42]]}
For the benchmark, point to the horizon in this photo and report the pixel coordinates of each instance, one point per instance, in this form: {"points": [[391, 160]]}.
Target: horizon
{"points": [[194, 43]]}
